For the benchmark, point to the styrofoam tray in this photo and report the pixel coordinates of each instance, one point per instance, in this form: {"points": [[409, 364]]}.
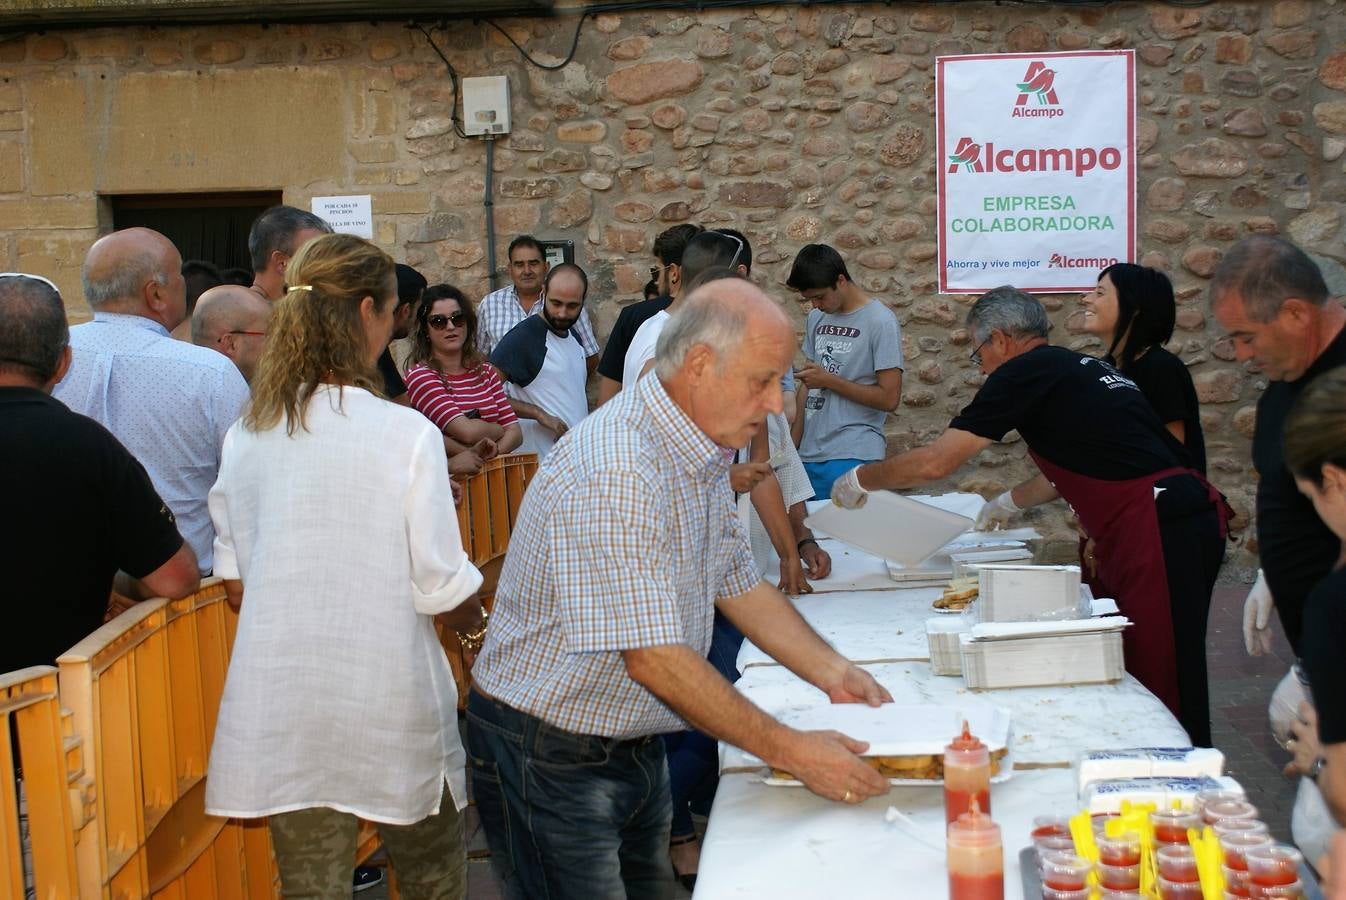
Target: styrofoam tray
{"points": [[892, 527], [904, 730]]}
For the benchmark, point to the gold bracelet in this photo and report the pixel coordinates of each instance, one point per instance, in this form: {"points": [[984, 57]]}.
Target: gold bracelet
{"points": [[471, 640]]}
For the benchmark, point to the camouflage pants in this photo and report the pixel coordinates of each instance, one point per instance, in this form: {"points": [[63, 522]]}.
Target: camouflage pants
{"points": [[315, 851]]}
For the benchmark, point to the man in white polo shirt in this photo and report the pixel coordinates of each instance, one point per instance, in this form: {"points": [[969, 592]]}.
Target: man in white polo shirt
{"points": [[543, 362]]}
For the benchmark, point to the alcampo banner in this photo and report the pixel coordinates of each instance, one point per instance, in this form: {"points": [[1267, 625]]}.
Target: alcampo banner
{"points": [[1036, 158]]}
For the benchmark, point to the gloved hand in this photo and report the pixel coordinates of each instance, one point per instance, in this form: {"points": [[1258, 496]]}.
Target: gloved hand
{"points": [[997, 512], [846, 491], [1257, 617]]}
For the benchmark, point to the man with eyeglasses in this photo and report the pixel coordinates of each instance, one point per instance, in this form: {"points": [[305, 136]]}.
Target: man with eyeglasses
{"points": [[707, 250], [58, 470], [667, 280], [232, 320], [853, 376], [501, 310], [169, 402], [1157, 525]]}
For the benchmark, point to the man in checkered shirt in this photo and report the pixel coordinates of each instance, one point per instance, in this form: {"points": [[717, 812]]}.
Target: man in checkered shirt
{"points": [[501, 310], [626, 542]]}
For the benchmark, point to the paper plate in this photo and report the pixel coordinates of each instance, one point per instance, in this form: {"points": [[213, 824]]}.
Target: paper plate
{"points": [[892, 527], [904, 730]]}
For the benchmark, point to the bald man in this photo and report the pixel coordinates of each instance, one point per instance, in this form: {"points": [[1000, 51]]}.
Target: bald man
{"points": [[232, 320], [626, 540], [169, 402]]}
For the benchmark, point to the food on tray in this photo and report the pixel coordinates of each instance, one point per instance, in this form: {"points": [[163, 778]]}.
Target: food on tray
{"points": [[959, 593], [920, 767]]}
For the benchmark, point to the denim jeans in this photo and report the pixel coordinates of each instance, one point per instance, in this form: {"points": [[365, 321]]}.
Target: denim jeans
{"points": [[568, 815], [693, 758], [822, 474]]}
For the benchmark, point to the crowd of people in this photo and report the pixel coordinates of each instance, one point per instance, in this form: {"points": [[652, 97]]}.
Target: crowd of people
{"points": [[280, 444]]}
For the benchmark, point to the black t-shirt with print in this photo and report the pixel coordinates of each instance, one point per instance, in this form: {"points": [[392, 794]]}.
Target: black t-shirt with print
{"points": [[1075, 411]]}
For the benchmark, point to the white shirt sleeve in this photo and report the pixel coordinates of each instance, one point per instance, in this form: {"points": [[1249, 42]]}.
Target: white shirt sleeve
{"points": [[441, 575], [225, 564]]}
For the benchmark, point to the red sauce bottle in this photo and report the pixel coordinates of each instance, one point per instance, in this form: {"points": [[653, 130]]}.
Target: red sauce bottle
{"points": [[967, 775], [976, 858]]}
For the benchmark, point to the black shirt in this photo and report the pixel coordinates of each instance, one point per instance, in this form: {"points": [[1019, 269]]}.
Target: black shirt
{"points": [[393, 385], [1324, 638], [628, 323], [1075, 411], [1166, 383], [79, 507], [1295, 547]]}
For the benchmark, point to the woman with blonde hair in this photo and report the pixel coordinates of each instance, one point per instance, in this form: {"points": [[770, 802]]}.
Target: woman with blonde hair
{"points": [[337, 539], [449, 380]]}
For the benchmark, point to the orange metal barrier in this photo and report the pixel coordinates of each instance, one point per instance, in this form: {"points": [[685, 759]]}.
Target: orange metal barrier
{"points": [[145, 691], [54, 786], [486, 519], [136, 708]]}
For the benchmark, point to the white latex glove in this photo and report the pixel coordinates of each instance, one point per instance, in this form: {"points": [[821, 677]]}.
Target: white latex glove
{"points": [[1257, 617], [997, 512], [1283, 710], [846, 491]]}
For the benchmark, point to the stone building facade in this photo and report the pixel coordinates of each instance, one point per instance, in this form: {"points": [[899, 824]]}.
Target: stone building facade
{"points": [[791, 123]]}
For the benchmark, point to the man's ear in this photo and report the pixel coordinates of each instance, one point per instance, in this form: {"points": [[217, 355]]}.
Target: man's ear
{"points": [[62, 366], [698, 363], [1297, 313]]}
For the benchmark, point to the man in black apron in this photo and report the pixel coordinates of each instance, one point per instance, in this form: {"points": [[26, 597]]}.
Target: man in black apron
{"points": [[1157, 525]]}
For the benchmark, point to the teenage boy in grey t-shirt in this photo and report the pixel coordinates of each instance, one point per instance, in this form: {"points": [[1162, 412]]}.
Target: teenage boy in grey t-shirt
{"points": [[853, 378]]}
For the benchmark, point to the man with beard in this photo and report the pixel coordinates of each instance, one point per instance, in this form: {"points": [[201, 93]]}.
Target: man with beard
{"points": [[501, 310], [542, 362]]}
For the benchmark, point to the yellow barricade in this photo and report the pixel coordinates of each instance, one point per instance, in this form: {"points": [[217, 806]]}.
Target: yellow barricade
{"points": [[114, 750]]}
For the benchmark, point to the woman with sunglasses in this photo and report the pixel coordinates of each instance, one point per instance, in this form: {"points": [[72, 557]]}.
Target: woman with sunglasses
{"points": [[450, 382], [337, 541]]}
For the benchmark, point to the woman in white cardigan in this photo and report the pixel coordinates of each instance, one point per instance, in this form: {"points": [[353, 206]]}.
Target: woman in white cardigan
{"points": [[337, 535]]}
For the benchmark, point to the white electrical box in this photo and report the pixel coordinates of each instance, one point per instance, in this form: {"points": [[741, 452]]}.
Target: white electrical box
{"points": [[486, 105]]}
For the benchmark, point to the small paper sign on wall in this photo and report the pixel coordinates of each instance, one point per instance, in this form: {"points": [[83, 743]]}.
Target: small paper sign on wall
{"points": [[347, 215], [1036, 158]]}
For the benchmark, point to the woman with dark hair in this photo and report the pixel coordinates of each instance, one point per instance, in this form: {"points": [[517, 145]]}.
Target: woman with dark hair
{"points": [[449, 380], [337, 541], [1133, 311], [1315, 453]]}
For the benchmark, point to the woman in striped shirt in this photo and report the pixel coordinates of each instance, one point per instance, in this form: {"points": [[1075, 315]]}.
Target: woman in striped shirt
{"points": [[449, 381]]}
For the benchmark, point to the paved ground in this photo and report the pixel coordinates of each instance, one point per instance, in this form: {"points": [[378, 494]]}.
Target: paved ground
{"points": [[1240, 689]]}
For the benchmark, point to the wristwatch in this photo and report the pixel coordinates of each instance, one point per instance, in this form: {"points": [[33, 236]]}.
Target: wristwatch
{"points": [[1317, 768]]}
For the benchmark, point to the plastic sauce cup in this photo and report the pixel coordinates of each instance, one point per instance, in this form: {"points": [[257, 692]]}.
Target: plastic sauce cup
{"points": [[1177, 863]]}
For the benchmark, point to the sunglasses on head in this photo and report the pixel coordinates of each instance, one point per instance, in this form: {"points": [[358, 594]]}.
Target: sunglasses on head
{"points": [[439, 321]]}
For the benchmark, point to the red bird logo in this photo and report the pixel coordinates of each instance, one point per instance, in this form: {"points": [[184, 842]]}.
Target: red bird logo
{"points": [[1038, 80], [967, 154]]}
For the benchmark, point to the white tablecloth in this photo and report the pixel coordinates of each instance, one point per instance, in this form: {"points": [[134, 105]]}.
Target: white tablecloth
{"points": [[779, 842]]}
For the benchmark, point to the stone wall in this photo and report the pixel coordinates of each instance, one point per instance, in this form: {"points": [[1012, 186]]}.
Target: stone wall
{"points": [[793, 124]]}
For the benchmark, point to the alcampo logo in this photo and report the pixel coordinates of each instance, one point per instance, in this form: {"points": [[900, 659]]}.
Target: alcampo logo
{"points": [[1061, 261], [975, 157], [967, 154], [1040, 82]]}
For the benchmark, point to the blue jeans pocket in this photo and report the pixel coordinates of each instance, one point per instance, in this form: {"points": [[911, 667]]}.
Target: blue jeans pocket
{"points": [[555, 748]]}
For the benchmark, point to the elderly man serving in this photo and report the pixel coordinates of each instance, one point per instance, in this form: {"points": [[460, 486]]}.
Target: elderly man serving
{"points": [[1156, 523], [626, 542]]}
